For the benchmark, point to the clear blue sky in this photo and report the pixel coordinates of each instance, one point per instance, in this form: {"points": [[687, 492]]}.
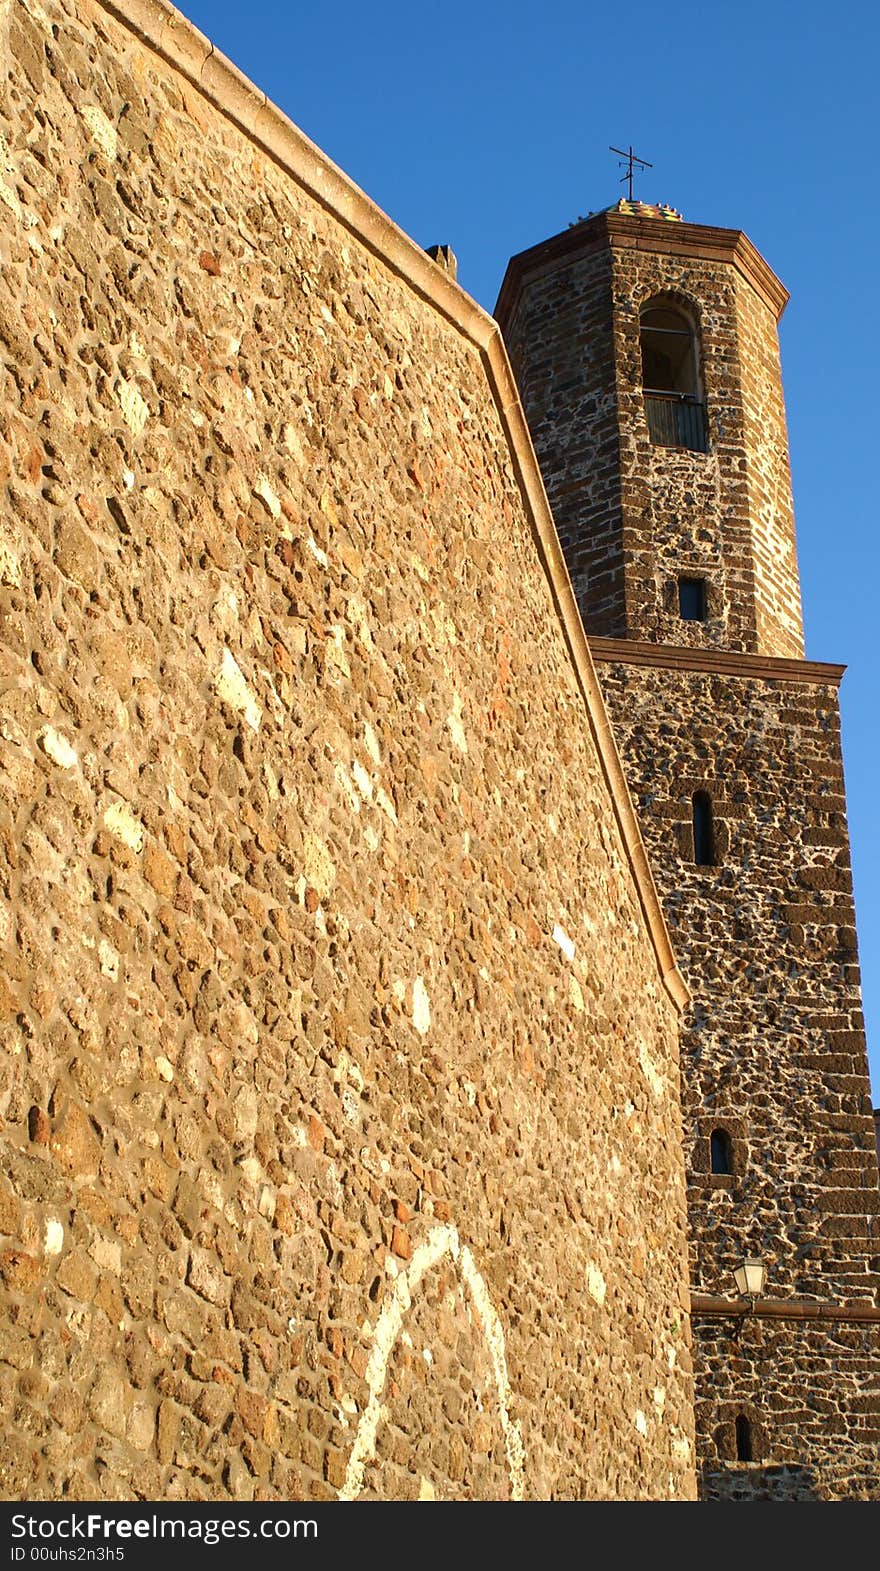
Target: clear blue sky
{"points": [[486, 127]]}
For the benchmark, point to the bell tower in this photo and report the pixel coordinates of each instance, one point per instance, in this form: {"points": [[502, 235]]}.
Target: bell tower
{"points": [[647, 358]]}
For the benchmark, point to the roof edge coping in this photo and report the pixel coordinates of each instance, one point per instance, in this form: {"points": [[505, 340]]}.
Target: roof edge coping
{"points": [[610, 230], [163, 28]]}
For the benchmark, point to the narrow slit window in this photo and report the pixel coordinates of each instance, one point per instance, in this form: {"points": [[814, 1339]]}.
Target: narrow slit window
{"points": [[704, 833], [692, 599], [744, 1449], [722, 1155]]}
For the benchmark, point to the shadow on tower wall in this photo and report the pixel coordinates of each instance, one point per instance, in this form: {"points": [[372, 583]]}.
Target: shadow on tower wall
{"points": [[747, 1481]]}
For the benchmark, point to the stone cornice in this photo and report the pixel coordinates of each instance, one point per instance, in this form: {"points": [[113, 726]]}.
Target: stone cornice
{"points": [[620, 231], [163, 29], [722, 662], [709, 1307]]}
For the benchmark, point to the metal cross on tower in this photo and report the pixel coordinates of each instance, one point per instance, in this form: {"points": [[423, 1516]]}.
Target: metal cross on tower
{"points": [[631, 159]]}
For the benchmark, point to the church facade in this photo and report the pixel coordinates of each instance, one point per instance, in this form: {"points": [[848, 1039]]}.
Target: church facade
{"points": [[427, 962]]}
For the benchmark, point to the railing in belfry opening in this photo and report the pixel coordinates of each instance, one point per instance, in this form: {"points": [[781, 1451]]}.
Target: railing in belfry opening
{"points": [[676, 420]]}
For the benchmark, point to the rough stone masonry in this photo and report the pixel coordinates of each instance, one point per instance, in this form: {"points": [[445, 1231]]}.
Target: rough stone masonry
{"points": [[340, 1095], [723, 705]]}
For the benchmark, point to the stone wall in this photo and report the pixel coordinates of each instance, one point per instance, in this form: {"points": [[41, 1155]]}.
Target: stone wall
{"points": [[779, 621], [773, 1047], [562, 349], [339, 1084], [810, 1394], [686, 513], [775, 1043]]}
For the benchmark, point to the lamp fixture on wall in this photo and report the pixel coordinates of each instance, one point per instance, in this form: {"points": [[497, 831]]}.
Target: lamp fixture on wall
{"points": [[749, 1277]]}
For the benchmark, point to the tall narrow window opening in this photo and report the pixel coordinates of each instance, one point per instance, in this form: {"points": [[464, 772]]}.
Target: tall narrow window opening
{"points": [[744, 1448], [704, 833], [670, 378], [692, 599], [722, 1155]]}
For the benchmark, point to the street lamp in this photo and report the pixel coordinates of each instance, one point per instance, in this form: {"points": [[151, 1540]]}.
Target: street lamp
{"points": [[749, 1278]]}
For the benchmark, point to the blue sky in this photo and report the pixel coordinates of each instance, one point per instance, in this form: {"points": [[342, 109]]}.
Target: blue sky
{"points": [[487, 126]]}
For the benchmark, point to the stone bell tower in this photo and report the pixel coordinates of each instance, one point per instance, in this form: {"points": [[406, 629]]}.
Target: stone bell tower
{"points": [[647, 357]]}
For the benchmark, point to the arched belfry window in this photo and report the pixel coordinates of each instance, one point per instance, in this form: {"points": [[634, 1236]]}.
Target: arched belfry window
{"points": [[670, 378], [704, 830], [721, 1151]]}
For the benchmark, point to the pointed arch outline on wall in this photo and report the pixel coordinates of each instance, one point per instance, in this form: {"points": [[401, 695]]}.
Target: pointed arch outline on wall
{"points": [[442, 1242]]}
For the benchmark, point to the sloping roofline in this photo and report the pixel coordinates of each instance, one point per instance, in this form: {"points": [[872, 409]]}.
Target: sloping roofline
{"points": [[168, 33]]}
